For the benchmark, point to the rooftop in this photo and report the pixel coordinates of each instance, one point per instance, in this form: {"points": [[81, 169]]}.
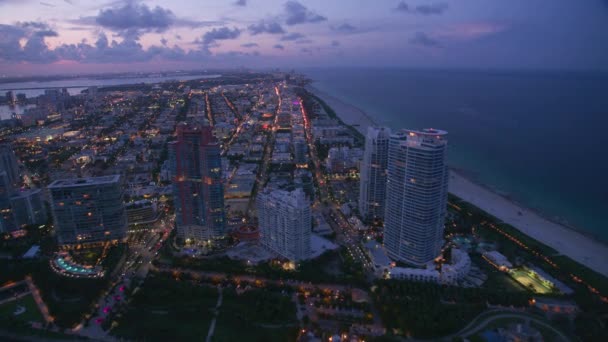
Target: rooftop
{"points": [[76, 182]]}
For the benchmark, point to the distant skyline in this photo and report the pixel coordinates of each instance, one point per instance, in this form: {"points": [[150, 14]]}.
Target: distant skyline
{"points": [[78, 36]]}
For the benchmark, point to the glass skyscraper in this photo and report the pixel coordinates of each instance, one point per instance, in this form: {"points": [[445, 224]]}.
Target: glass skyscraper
{"points": [[417, 189], [197, 183], [372, 189], [88, 210]]}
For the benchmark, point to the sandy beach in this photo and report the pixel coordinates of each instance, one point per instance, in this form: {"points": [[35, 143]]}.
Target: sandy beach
{"points": [[350, 114], [565, 240]]}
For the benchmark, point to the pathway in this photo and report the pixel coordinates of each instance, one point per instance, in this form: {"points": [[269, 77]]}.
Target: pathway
{"points": [[475, 326], [217, 312]]}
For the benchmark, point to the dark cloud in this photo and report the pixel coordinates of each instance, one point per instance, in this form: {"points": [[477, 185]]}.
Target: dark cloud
{"points": [[249, 45], [131, 19], [424, 9], [306, 50], [33, 50], [344, 28], [36, 25], [46, 33], [136, 16], [164, 41], [178, 37], [46, 4], [241, 3], [422, 39], [292, 36], [299, 14], [279, 47], [303, 41], [68, 2], [335, 43], [266, 27], [223, 33]]}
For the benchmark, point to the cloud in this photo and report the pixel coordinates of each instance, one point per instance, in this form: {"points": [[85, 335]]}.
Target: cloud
{"points": [[278, 47], [249, 45], [344, 28], [25, 43], [306, 50], [223, 33], [335, 43], [299, 14], [265, 27], [422, 39], [136, 16], [425, 9], [241, 3], [303, 41], [69, 2], [46, 4], [292, 36], [131, 19]]}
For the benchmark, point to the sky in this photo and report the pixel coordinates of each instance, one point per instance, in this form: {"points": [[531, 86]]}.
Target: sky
{"points": [[87, 36]]}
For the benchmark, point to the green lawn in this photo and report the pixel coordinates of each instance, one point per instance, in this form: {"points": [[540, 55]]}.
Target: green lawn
{"points": [[165, 309], [526, 279], [31, 313], [497, 280], [256, 315]]}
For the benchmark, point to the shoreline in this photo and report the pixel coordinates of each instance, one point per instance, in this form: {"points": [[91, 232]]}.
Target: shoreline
{"points": [[574, 243], [356, 117]]}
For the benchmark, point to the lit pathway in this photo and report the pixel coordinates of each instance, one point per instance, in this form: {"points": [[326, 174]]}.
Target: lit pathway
{"points": [[38, 299], [217, 312]]}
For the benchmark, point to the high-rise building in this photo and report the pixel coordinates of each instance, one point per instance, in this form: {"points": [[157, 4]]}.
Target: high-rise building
{"points": [[88, 210], [372, 188], [417, 189], [7, 221], [8, 163], [285, 222], [197, 183], [28, 208]]}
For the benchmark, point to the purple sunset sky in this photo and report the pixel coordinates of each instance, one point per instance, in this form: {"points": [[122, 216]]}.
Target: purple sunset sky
{"points": [[58, 36]]}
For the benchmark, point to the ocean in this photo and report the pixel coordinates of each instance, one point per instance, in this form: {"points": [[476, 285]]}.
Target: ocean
{"points": [[539, 138]]}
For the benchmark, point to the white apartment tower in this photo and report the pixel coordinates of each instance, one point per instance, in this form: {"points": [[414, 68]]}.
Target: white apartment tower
{"points": [[417, 188], [372, 190], [285, 222]]}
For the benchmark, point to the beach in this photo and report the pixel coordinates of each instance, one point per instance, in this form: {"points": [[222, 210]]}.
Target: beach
{"points": [[567, 241], [348, 113]]}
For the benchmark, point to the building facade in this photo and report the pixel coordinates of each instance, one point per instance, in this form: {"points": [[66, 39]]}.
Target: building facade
{"points": [[28, 208], [372, 190], [285, 223], [416, 199], [88, 210], [8, 163], [7, 221], [196, 170]]}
